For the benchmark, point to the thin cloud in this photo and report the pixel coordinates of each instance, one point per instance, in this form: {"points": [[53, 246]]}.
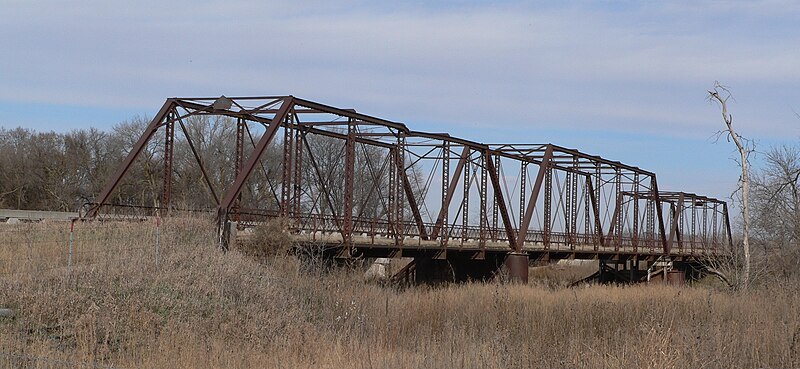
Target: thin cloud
{"points": [[638, 67]]}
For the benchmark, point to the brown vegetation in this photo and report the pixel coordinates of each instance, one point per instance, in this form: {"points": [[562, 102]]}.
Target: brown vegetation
{"points": [[201, 308]]}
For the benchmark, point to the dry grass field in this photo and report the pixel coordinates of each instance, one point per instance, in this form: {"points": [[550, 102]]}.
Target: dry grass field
{"points": [[200, 308]]}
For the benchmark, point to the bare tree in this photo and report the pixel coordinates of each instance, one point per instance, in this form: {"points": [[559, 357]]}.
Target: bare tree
{"points": [[775, 212], [721, 95]]}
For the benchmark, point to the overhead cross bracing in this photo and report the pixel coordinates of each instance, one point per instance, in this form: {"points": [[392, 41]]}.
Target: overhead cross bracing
{"points": [[373, 186]]}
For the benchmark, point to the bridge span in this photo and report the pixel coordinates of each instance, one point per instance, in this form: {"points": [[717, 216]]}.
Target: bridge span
{"points": [[369, 187]]}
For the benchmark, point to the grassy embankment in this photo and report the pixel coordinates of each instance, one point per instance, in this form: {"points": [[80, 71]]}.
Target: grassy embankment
{"points": [[201, 308]]}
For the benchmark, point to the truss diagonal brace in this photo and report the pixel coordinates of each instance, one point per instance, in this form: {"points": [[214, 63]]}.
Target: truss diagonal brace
{"points": [[450, 191], [598, 225], [258, 151], [322, 182], [526, 220], [660, 215], [674, 232], [112, 184], [199, 162], [501, 202], [412, 201]]}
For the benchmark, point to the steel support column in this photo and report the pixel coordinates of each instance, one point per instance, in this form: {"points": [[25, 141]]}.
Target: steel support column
{"points": [[349, 179], [169, 146]]}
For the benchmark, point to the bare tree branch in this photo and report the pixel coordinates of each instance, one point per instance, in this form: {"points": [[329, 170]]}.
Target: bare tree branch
{"points": [[721, 94]]}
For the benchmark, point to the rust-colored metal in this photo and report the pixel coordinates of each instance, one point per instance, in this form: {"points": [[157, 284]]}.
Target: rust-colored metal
{"points": [[577, 205], [537, 185], [517, 266], [169, 149], [349, 178], [258, 151], [114, 181], [499, 199], [199, 160], [448, 190], [676, 278]]}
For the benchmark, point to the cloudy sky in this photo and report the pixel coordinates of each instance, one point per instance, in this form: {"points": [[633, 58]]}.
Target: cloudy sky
{"points": [[623, 79]]}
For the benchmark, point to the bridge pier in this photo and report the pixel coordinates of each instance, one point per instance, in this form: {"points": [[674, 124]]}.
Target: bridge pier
{"points": [[517, 266], [676, 273]]}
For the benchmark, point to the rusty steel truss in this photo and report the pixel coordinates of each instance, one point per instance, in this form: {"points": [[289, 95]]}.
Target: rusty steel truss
{"points": [[387, 190]]}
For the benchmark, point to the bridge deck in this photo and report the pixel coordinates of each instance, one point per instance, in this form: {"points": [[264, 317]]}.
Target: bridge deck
{"points": [[383, 246]]}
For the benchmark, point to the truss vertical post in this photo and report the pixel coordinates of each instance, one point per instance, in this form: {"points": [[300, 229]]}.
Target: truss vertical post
{"points": [[239, 145], [705, 226], [548, 208], [465, 199], [442, 221], [298, 171], [349, 179], [523, 173], [392, 226], [573, 217], [483, 199], [286, 178], [568, 208], [399, 191], [635, 212], [169, 145], [616, 221], [496, 208], [714, 230], [587, 219], [239, 159], [694, 224]]}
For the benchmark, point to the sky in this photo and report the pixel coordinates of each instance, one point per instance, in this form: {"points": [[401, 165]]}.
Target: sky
{"points": [[626, 80]]}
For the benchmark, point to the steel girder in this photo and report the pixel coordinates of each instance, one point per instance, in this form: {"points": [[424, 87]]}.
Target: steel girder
{"points": [[567, 199]]}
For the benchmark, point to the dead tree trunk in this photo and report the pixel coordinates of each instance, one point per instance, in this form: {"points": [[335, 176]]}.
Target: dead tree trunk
{"points": [[716, 94]]}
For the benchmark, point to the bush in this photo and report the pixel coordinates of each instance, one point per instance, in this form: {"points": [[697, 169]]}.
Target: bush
{"points": [[268, 240]]}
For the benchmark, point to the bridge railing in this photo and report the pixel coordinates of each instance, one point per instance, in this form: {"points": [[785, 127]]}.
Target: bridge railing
{"points": [[381, 232]]}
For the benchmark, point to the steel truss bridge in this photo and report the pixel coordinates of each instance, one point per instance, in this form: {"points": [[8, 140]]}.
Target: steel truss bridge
{"points": [[380, 189]]}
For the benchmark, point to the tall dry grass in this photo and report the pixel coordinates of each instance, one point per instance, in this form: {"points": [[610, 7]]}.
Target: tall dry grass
{"points": [[200, 308]]}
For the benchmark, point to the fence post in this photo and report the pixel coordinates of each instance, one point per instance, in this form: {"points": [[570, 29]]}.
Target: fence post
{"points": [[71, 242], [158, 227]]}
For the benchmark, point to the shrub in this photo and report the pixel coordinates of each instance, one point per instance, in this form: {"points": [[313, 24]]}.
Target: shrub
{"points": [[268, 240]]}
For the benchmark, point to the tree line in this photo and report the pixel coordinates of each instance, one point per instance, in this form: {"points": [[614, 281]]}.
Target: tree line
{"points": [[64, 171]]}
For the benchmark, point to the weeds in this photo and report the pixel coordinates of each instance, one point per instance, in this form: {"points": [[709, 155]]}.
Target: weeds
{"points": [[203, 308]]}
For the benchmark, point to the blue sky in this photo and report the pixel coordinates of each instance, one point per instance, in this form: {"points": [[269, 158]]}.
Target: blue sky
{"points": [[622, 79]]}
